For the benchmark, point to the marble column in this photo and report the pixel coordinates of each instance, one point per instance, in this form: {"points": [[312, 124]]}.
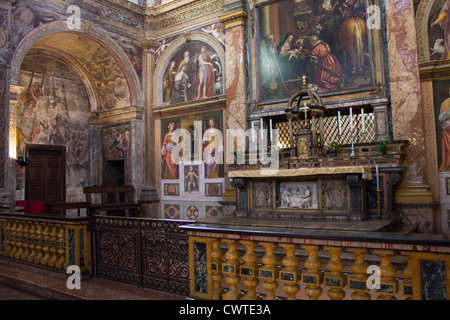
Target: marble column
{"points": [[236, 82], [147, 191], [406, 106]]}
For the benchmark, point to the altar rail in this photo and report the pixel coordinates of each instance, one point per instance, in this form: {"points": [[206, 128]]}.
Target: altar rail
{"points": [[232, 263], [45, 241]]}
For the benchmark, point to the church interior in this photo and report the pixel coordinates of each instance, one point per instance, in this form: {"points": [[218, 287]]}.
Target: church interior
{"points": [[228, 149]]}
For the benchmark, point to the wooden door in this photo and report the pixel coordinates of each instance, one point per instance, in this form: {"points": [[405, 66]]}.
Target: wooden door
{"points": [[45, 175]]}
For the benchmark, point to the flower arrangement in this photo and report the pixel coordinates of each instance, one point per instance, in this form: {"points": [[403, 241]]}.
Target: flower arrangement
{"points": [[332, 146], [383, 145]]}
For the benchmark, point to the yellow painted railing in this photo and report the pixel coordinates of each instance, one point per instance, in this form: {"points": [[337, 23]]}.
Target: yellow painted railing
{"points": [[44, 241], [235, 264]]}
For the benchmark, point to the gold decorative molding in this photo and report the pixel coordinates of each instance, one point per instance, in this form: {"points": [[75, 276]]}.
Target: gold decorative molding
{"points": [[413, 193], [149, 45], [115, 115], [190, 107], [229, 195], [233, 19], [431, 152]]}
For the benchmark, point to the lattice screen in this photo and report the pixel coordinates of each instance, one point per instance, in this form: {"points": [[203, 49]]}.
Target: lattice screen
{"points": [[362, 132]]}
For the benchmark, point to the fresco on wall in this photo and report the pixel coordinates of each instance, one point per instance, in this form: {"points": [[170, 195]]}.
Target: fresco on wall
{"points": [[439, 30], [217, 30], [24, 19], [193, 186], [116, 146], [133, 50], [324, 40], [211, 140], [441, 92], [194, 72], [52, 109]]}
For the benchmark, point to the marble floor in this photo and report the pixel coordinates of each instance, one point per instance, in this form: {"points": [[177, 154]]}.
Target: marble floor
{"points": [[19, 284]]}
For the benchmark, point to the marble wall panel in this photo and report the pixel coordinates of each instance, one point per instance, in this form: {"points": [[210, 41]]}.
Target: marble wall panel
{"points": [[236, 81], [407, 120]]}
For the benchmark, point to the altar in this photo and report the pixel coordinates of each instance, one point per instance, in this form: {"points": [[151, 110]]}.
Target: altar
{"points": [[333, 192], [352, 181]]}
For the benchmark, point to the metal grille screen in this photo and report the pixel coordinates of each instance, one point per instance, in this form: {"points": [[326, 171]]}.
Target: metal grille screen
{"points": [[364, 131]]}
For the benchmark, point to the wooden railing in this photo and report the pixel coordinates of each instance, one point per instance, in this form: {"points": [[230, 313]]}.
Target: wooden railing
{"points": [[47, 241], [236, 263]]}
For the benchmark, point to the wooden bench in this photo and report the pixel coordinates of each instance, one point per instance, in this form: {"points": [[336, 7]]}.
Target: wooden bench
{"points": [[63, 206], [113, 198]]}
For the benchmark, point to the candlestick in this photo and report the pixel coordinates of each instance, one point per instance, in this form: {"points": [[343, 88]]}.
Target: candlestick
{"points": [[339, 122], [270, 128], [351, 119], [378, 193], [363, 121], [306, 110], [378, 178], [379, 203]]}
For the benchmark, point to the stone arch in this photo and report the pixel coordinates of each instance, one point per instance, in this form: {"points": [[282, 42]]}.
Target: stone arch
{"points": [[91, 32], [164, 60]]}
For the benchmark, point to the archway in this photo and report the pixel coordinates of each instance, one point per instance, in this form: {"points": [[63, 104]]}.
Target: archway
{"points": [[66, 75]]}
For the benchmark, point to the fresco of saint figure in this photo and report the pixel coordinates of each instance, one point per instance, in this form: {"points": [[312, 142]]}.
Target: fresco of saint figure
{"points": [[170, 168], [205, 81], [197, 74], [212, 144], [444, 119]]}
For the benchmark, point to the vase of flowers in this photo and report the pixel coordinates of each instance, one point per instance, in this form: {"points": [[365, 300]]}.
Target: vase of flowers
{"points": [[332, 148], [382, 144]]}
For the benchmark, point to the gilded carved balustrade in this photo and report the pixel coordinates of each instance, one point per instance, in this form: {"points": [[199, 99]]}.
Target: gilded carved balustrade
{"points": [[310, 268], [44, 242]]}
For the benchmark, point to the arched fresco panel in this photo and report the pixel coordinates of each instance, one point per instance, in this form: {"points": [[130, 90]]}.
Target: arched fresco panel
{"points": [[191, 69]]}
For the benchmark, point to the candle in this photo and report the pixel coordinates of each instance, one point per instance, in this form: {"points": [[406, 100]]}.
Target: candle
{"points": [[306, 110], [378, 178], [261, 128], [339, 122], [351, 120], [253, 132], [363, 121], [270, 128]]}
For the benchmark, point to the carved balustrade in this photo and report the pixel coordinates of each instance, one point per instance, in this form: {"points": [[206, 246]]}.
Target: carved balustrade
{"points": [[50, 242], [267, 265]]}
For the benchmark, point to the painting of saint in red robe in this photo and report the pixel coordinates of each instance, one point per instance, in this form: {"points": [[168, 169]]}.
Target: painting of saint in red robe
{"points": [[327, 69], [170, 167]]}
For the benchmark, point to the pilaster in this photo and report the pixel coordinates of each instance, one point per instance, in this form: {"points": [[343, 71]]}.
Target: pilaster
{"points": [[147, 192]]}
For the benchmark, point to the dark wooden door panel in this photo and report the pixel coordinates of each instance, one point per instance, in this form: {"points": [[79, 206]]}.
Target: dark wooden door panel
{"points": [[45, 176]]}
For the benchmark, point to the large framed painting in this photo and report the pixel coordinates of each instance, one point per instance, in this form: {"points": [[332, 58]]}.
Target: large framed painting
{"points": [[441, 94], [327, 41]]}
